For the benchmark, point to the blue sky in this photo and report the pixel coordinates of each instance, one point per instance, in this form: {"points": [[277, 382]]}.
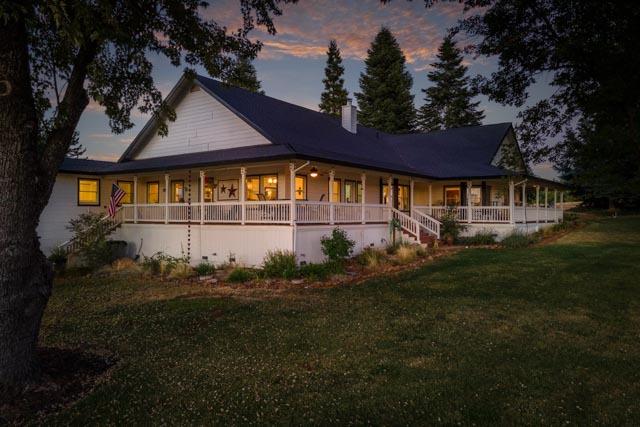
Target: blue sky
{"points": [[291, 63]]}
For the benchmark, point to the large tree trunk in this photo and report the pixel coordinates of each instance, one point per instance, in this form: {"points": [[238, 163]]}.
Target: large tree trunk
{"points": [[25, 275]]}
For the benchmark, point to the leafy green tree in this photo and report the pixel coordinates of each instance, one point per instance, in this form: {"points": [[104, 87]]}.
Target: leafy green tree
{"points": [[385, 101], [334, 95], [448, 103], [55, 57], [587, 50], [244, 76]]}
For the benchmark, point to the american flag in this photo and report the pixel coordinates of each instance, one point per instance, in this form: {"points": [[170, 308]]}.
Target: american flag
{"points": [[117, 194]]}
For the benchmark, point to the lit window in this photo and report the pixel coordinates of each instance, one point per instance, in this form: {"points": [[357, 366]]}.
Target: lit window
{"points": [[270, 187], [352, 192], [153, 192], [476, 196], [301, 187], [88, 192], [452, 196], [177, 191], [403, 198], [208, 190], [253, 188], [336, 192], [127, 187]]}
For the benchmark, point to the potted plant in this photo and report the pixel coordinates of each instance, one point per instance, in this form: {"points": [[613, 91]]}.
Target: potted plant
{"points": [[58, 258], [450, 227]]}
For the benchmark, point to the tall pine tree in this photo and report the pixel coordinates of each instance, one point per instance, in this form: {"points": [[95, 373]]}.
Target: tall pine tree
{"points": [[244, 76], [385, 101], [448, 102], [334, 95]]}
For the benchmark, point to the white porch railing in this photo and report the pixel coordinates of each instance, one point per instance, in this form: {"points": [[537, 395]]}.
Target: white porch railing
{"points": [[427, 222], [339, 213], [495, 214], [490, 214], [269, 212], [222, 212], [306, 212]]}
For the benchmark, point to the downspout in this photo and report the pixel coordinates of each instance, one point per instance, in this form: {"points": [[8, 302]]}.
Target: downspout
{"points": [[293, 224]]}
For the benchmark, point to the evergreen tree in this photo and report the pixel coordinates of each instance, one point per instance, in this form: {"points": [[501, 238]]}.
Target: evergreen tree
{"points": [[448, 102], [385, 101], [334, 95], [244, 76]]}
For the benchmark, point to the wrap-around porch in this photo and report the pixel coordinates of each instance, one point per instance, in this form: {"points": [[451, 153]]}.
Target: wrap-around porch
{"points": [[306, 193]]}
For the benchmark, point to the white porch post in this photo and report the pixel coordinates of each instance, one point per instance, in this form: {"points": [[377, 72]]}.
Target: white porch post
{"points": [[524, 202], [201, 197], [546, 204], [562, 205], [243, 185], [512, 202], [363, 178], [555, 205], [469, 184], [292, 190], [411, 185], [166, 198], [390, 195], [332, 175], [537, 204], [135, 199]]}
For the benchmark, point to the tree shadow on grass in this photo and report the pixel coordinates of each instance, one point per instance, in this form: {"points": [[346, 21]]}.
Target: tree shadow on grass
{"points": [[66, 376]]}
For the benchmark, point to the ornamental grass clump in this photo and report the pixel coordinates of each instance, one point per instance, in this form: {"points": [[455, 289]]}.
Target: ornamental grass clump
{"points": [[205, 269], [517, 240], [240, 275], [406, 254], [371, 258], [482, 237], [280, 264]]}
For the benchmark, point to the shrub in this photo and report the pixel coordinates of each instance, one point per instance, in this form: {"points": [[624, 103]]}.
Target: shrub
{"points": [[421, 251], [240, 275], [125, 264], [371, 258], [205, 269], [338, 246], [451, 228], [517, 240], [406, 254], [181, 270], [480, 238], [91, 232], [319, 271], [161, 263], [392, 248], [280, 264], [58, 257]]}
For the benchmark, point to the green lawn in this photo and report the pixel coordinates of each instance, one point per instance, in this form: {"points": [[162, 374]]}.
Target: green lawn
{"points": [[533, 336]]}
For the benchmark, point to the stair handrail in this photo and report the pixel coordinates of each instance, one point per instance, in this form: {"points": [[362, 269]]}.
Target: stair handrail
{"points": [[427, 222], [70, 245], [407, 223]]}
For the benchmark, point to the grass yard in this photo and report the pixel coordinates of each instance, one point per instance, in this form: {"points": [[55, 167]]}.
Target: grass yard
{"points": [[542, 335]]}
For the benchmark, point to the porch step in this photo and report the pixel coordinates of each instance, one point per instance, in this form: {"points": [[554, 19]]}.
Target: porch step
{"points": [[427, 238]]}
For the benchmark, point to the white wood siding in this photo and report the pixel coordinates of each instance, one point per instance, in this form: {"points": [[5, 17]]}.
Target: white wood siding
{"points": [[62, 206], [202, 124], [248, 244]]}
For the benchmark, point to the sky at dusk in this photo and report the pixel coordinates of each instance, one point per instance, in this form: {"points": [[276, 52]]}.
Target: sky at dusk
{"points": [[291, 63]]}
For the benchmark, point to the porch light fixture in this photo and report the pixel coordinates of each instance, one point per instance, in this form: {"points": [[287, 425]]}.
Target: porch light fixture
{"points": [[313, 172]]}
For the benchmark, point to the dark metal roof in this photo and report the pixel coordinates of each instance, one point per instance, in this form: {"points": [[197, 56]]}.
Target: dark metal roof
{"points": [[298, 132], [180, 161]]}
